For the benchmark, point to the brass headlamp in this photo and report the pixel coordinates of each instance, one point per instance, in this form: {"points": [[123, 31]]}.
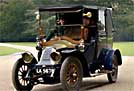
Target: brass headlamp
{"points": [[27, 57]]}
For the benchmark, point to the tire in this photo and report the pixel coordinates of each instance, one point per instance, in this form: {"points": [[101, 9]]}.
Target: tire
{"points": [[18, 73], [112, 77], [71, 73]]}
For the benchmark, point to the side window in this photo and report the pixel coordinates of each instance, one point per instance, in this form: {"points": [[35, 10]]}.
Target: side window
{"points": [[102, 18], [109, 24], [101, 22], [71, 17]]}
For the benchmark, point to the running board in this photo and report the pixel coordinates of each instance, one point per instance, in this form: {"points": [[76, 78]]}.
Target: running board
{"points": [[100, 73]]}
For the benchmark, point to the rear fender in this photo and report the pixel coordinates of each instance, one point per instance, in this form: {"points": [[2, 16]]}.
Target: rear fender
{"points": [[118, 55], [105, 58], [108, 60]]}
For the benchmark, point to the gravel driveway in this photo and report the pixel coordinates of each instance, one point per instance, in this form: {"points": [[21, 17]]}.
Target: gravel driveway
{"points": [[125, 79]]}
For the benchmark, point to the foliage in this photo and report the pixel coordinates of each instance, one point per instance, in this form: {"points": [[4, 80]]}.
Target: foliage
{"points": [[12, 16], [17, 18]]}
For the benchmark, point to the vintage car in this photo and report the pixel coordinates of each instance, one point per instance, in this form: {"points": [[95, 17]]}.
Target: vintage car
{"points": [[79, 45]]}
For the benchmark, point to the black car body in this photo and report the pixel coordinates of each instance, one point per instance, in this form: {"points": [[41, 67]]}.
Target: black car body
{"points": [[62, 59]]}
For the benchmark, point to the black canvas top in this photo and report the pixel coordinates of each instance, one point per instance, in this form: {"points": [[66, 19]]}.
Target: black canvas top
{"points": [[67, 8]]}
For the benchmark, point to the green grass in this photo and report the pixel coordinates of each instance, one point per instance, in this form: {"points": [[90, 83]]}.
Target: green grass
{"points": [[126, 48], [7, 50], [32, 44]]}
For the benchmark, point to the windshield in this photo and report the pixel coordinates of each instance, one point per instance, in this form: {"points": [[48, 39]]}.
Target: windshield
{"points": [[61, 24], [48, 21]]}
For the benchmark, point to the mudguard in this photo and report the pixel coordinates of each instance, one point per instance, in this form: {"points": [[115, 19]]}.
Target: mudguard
{"points": [[33, 59], [108, 60], [118, 55], [105, 58]]}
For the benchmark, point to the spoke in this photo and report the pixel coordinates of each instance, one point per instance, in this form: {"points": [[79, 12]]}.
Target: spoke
{"points": [[22, 81], [20, 72], [20, 78], [73, 68], [19, 75], [68, 78], [25, 67], [116, 67], [69, 81], [25, 83], [22, 67]]}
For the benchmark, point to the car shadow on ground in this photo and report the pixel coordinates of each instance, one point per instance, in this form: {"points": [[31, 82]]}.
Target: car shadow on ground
{"points": [[92, 84], [86, 85]]}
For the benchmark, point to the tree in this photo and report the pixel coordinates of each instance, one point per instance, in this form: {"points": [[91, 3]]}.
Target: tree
{"points": [[17, 19], [12, 19]]}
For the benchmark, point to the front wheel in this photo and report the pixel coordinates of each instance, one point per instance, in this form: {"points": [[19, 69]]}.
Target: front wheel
{"points": [[112, 77], [71, 73], [19, 72]]}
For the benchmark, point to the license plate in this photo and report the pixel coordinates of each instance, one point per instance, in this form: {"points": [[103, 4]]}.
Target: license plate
{"points": [[45, 71]]}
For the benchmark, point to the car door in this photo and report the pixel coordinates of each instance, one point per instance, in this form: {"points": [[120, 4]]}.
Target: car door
{"points": [[105, 35], [109, 28], [91, 42], [102, 34]]}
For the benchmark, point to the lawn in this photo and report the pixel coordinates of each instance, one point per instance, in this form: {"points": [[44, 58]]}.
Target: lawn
{"points": [[126, 48], [33, 44], [7, 50]]}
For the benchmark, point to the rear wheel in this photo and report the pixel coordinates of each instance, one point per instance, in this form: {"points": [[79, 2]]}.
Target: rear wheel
{"points": [[71, 73], [19, 72], [112, 77]]}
